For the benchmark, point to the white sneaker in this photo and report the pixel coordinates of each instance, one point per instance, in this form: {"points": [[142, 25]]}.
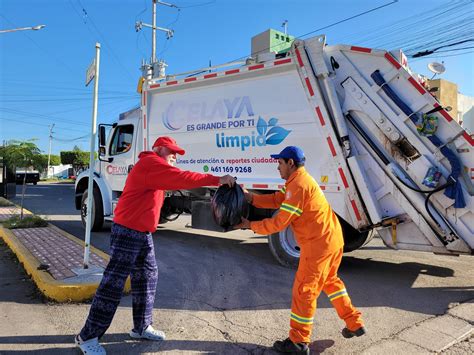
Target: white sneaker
{"points": [[89, 347], [149, 333]]}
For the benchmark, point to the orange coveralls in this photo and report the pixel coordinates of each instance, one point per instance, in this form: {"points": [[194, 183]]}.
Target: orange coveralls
{"points": [[303, 205]]}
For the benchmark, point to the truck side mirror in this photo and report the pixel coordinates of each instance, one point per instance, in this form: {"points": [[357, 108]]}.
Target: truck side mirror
{"points": [[102, 137]]}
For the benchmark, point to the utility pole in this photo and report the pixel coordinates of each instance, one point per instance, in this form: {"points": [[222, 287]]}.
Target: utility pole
{"points": [[285, 26], [92, 73], [153, 34], [49, 152], [156, 67]]}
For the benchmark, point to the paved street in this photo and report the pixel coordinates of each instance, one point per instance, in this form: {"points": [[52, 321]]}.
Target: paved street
{"points": [[225, 294]]}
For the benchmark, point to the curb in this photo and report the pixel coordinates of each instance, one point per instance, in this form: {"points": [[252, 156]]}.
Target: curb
{"points": [[54, 289]]}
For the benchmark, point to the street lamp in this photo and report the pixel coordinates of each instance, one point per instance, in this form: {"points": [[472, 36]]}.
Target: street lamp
{"points": [[34, 28]]}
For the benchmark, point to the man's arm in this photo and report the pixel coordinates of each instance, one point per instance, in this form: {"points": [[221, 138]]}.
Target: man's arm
{"points": [[290, 209], [167, 177], [273, 200]]}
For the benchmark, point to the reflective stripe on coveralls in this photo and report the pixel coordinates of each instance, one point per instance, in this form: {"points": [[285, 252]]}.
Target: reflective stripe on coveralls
{"points": [[337, 294], [291, 209], [300, 319]]}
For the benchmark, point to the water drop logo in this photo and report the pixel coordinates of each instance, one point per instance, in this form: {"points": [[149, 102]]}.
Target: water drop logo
{"points": [[275, 135], [171, 119], [267, 133]]}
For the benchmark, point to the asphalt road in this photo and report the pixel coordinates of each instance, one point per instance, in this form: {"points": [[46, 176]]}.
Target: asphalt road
{"points": [[225, 294]]}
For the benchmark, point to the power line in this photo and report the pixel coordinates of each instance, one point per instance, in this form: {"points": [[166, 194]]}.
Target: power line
{"points": [[104, 40], [397, 30], [38, 124], [349, 18], [70, 99], [422, 31], [71, 139], [197, 5], [40, 116], [440, 56], [428, 52], [331, 25]]}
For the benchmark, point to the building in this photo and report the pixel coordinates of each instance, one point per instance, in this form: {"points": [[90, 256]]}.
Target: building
{"points": [[466, 112], [462, 106], [271, 41]]}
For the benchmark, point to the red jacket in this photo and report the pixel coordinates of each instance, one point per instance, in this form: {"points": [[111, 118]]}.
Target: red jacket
{"points": [[140, 204]]}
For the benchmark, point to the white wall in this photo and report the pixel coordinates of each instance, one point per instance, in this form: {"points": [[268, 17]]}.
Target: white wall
{"points": [[466, 112], [59, 171]]}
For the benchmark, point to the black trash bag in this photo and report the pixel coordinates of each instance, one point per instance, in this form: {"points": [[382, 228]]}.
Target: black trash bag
{"points": [[229, 206]]}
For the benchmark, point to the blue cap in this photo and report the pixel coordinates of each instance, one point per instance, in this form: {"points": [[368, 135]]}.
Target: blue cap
{"points": [[291, 152]]}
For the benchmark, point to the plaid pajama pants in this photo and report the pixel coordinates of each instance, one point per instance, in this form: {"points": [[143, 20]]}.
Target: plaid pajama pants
{"points": [[131, 253]]}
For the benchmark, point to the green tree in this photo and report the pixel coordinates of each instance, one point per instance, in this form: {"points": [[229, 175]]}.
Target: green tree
{"points": [[41, 161], [55, 160], [20, 154], [77, 158]]}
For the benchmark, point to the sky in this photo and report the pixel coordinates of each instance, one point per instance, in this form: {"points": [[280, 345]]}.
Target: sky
{"points": [[42, 73]]}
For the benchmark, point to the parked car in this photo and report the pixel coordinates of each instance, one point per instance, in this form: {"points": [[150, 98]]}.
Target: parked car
{"points": [[32, 177]]}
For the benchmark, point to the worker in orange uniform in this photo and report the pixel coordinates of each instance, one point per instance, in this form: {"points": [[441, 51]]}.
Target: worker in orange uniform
{"points": [[302, 206]]}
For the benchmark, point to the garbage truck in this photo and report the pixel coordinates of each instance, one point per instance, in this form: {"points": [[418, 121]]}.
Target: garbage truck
{"points": [[388, 156]]}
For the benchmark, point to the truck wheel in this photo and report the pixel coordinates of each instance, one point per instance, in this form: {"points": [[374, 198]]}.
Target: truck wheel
{"points": [[353, 239], [284, 247], [97, 210], [286, 251]]}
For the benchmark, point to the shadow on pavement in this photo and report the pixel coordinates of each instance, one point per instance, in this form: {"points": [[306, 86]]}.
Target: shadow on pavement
{"points": [[121, 344]]}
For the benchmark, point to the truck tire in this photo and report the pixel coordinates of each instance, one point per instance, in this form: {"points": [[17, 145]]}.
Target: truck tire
{"points": [[286, 251], [97, 210], [284, 247], [353, 239]]}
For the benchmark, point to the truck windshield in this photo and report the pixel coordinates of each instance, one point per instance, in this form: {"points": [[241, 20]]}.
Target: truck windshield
{"points": [[122, 140]]}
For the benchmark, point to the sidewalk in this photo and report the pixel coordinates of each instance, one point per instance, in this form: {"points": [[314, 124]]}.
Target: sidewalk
{"points": [[433, 335], [54, 260]]}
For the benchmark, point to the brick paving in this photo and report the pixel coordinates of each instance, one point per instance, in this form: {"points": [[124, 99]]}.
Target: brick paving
{"points": [[7, 212], [57, 253]]}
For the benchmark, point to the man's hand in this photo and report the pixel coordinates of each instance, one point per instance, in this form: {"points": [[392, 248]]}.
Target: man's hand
{"points": [[227, 180], [248, 196], [244, 224]]}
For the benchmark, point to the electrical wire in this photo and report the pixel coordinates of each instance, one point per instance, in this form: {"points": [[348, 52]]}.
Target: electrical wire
{"points": [[39, 124], [328, 26], [197, 5], [70, 99], [428, 52], [397, 30], [72, 139], [348, 18], [440, 56], [40, 116], [445, 25], [103, 39]]}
